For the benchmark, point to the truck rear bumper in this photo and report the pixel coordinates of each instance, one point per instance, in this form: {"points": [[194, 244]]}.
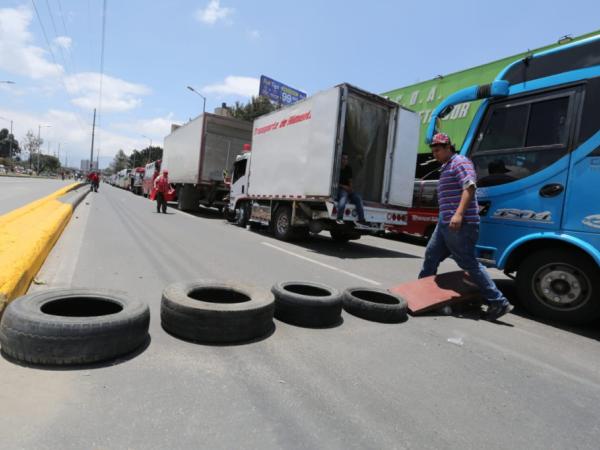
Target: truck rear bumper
{"points": [[373, 215]]}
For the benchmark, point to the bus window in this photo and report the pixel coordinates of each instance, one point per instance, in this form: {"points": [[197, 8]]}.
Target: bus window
{"points": [[522, 138]]}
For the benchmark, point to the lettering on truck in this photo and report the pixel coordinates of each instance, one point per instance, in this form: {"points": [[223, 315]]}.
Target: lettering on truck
{"points": [[297, 118]]}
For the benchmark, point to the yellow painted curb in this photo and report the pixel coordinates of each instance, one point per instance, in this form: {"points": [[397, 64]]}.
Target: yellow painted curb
{"points": [[27, 235]]}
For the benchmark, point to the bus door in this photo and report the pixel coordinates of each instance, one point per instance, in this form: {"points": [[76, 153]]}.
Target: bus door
{"points": [[521, 156]]}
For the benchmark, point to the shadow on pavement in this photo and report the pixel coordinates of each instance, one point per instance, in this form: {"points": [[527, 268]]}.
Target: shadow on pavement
{"points": [[99, 365], [421, 242], [264, 337], [508, 288], [205, 213], [351, 250]]}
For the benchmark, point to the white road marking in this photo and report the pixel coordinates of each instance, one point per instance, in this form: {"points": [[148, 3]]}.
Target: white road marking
{"points": [[318, 263]]}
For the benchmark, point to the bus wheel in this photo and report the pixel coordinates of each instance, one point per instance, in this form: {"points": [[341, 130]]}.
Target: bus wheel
{"points": [[561, 285]]}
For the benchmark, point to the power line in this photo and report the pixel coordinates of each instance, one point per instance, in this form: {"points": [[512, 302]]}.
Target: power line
{"points": [[61, 74], [102, 47], [62, 17]]}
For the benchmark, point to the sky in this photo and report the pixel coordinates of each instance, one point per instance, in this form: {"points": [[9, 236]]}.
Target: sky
{"points": [[51, 50]]}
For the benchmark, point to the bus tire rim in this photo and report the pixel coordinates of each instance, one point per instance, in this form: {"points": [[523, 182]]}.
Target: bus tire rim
{"points": [[561, 287]]}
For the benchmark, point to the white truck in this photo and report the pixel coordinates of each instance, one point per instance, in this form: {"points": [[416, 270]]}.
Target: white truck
{"points": [[199, 157], [289, 181]]}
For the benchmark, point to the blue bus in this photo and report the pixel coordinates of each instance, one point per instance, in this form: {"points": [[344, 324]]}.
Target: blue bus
{"points": [[535, 144]]}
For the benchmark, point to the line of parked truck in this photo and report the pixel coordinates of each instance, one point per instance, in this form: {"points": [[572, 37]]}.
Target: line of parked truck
{"points": [[534, 142]]}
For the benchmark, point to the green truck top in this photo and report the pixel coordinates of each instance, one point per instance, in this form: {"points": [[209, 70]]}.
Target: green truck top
{"points": [[425, 96]]}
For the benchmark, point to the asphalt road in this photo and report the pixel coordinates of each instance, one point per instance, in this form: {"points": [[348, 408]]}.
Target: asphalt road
{"points": [[18, 191], [519, 384]]}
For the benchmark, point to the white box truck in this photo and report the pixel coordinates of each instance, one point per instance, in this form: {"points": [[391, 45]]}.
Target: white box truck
{"points": [[289, 181], [199, 157]]}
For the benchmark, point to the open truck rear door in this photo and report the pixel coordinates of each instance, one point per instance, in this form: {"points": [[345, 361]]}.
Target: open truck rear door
{"points": [[403, 158]]}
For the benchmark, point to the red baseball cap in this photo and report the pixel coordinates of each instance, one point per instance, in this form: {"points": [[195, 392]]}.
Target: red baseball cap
{"points": [[440, 139]]}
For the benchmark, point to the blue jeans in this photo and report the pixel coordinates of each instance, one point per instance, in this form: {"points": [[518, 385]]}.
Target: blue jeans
{"points": [[343, 197], [461, 246]]}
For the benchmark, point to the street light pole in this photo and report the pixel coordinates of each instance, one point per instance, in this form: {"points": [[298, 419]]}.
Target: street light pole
{"points": [[203, 98], [149, 148], [39, 146]]}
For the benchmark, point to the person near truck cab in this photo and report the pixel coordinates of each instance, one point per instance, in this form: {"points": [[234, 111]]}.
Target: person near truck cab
{"points": [[161, 184], [346, 193], [457, 230]]}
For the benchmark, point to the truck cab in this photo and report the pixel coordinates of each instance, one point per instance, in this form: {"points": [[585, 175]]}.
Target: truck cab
{"points": [[535, 145]]}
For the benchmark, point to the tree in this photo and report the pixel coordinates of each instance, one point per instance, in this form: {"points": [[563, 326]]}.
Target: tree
{"points": [[45, 163], [142, 157], [32, 144], [257, 106], [9, 146], [120, 162]]}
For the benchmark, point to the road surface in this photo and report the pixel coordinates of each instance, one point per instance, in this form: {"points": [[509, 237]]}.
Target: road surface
{"points": [[18, 191], [432, 382]]}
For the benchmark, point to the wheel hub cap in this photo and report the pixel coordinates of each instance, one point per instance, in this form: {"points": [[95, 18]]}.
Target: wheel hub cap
{"points": [[561, 286]]}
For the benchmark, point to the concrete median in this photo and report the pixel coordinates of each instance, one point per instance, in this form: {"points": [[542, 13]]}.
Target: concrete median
{"points": [[27, 235]]}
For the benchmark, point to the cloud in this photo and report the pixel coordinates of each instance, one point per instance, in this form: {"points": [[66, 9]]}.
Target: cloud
{"points": [[117, 94], [156, 128], [19, 56], [63, 42], [213, 12], [254, 34], [233, 85], [73, 135]]}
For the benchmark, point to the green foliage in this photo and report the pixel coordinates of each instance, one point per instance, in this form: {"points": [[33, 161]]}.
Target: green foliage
{"points": [[140, 158], [120, 162], [256, 107], [45, 163], [9, 146]]}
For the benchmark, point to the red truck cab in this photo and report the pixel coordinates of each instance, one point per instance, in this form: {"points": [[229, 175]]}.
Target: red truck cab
{"points": [[422, 217]]}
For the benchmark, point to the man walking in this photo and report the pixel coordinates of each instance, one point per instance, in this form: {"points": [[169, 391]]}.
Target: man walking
{"points": [[345, 193], [457, 231], [161, 184]]}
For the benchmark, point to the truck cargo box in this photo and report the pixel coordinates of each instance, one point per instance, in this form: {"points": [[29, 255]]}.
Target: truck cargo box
{"points": [[202, 149]]}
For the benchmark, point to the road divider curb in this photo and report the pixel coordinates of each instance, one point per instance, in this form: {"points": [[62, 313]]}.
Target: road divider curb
{"points": [[27, 235]]}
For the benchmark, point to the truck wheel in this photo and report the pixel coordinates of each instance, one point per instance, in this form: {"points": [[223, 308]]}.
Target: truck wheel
{"points": [[561, 285], [307, 304], [377, 305], [282, 225], [73, 326], [241, 213], [215, 312]]}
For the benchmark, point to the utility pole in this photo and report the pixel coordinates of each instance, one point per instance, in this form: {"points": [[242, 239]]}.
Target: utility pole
{"points": [[92, 149]]}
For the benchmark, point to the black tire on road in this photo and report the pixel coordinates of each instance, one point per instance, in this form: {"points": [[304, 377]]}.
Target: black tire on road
{"points": [[307, 304], [561, 285], [241, 214], [377, 305], [73, 326], [216, 312], [282, 224]]}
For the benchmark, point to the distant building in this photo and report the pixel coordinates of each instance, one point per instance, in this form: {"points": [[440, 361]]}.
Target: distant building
{"points": [[85, 165]]}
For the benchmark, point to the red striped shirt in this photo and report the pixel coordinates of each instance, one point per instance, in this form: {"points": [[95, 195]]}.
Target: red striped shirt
{"points": [[456, 175]]}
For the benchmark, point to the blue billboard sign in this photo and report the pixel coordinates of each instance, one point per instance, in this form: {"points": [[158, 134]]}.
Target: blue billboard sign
{"points": [[278, 92]]}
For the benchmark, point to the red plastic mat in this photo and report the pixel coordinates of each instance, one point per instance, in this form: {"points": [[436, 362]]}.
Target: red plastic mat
{"points": [[437, 291]]}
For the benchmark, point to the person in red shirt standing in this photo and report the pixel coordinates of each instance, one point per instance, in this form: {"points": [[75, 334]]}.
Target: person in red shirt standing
{"points": [[94, 181], [161, 184]]}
